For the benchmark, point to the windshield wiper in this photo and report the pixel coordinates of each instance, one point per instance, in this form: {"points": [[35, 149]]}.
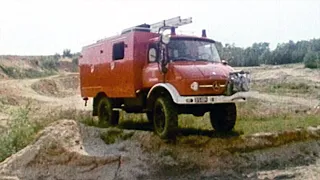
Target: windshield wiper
{"points": [[183, 59], [203, 60]]}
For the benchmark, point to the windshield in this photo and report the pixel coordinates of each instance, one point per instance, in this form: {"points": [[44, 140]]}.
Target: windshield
{"points": [[192, 50]]}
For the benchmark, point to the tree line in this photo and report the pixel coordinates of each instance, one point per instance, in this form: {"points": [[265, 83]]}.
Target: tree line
{"points": [[307, 52]]}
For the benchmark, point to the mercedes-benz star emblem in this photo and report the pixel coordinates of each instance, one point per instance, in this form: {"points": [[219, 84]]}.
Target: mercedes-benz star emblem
{"points": [[215, 85]]}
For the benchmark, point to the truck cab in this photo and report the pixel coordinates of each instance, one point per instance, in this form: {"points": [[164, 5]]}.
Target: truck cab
{"points": [[146, 70]]}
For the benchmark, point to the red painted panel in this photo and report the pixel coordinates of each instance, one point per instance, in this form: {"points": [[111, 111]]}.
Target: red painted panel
{"points": [[117, 78]]}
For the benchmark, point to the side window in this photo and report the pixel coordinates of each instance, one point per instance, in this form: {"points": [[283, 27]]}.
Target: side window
{"points": [[118, 51]]}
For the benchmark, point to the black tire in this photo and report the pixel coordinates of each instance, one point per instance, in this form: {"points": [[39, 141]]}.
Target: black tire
{"points": [[223, 117], [150, 117], [165, 117], [105, 112]]}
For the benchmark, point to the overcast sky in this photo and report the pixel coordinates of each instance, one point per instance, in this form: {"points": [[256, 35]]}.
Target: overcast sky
{"points": [[43, 27]]}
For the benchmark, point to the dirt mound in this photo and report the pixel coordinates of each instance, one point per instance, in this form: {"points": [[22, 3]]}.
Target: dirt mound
{"points": [[59, 154], [68, 150], [46, 87], [67, 66], [57, 87], [317, 109], [70, 82], [305, 172], [17, 62], [3, 75], [17, 67], [284, 72]]}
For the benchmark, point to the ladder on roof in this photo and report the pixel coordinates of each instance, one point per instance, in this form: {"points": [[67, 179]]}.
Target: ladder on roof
{"points": [[162, 25], [167, 24]]}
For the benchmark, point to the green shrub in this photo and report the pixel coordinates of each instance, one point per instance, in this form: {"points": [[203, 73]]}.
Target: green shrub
{"points": [[112, 135], [19, 134], [56, 56], [32, 73], [312, 60], [49, 63], [75, 61], [26, 73], [9, 71], [26, 122], [67, 53]]}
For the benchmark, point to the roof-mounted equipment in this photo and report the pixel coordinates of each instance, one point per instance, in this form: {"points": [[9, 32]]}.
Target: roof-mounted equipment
{"points": [[142, 27], [169, 23], [160, 26]]}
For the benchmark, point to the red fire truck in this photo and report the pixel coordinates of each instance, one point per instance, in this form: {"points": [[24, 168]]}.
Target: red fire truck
{"points": [[150, 69]]}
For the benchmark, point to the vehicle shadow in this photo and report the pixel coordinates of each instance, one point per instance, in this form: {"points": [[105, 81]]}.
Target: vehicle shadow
{"points": [[208, 133], [145, 126]]}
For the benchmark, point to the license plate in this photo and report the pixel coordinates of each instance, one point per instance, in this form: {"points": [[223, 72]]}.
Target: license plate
{"points": [[201, 99]]}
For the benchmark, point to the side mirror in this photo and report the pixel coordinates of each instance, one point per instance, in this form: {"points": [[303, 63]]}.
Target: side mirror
{"points": [[153, 54], [165, 39], [224, 62], [161, 58]]}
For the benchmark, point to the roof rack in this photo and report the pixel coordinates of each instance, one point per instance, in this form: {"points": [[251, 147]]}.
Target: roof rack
{"points": [[111, 37], [162, 25], [167, 24], [142, 27]]}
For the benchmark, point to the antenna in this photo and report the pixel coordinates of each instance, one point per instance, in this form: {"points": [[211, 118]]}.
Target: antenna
{"points": [[167, 24]]}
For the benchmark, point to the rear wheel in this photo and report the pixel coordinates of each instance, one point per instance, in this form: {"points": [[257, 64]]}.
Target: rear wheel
{"points": [[105, 112], [223, 117], [165, 117]]}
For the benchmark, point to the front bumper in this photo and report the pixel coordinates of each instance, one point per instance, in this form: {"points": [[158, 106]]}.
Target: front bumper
{"points": [[237, 90], [237, 97]]}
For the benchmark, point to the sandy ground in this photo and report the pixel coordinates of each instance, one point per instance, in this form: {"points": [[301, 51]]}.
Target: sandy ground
{"points": [[68, 150], [296, 71], [50, 96]]}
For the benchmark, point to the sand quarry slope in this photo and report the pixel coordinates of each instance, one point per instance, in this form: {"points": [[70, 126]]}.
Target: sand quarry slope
{"points": [[69, 150]]}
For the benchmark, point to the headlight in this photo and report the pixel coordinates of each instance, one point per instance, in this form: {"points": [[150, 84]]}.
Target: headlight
{"points": [[194, 86]]}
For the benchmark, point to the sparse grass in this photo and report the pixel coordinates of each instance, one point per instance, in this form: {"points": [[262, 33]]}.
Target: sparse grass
{"points": [[26, 122], [42, 66], [112, 135], [55, 114], [49, 63], [258, 116], [90, 121], [279, 123], [255, 116], [19, 73], [288, 88], [192, 122], [20, 133], [31, 73]]}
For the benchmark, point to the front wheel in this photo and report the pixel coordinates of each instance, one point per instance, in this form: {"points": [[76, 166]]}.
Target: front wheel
{"points": [[223, 117], [165, 117], [150, 117]]}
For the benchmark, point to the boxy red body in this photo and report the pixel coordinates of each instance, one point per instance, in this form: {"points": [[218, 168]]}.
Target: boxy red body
{"points": [[123, 78]]}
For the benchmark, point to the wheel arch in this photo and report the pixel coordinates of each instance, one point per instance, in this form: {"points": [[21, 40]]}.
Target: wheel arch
{"points": [[161, 89]]}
